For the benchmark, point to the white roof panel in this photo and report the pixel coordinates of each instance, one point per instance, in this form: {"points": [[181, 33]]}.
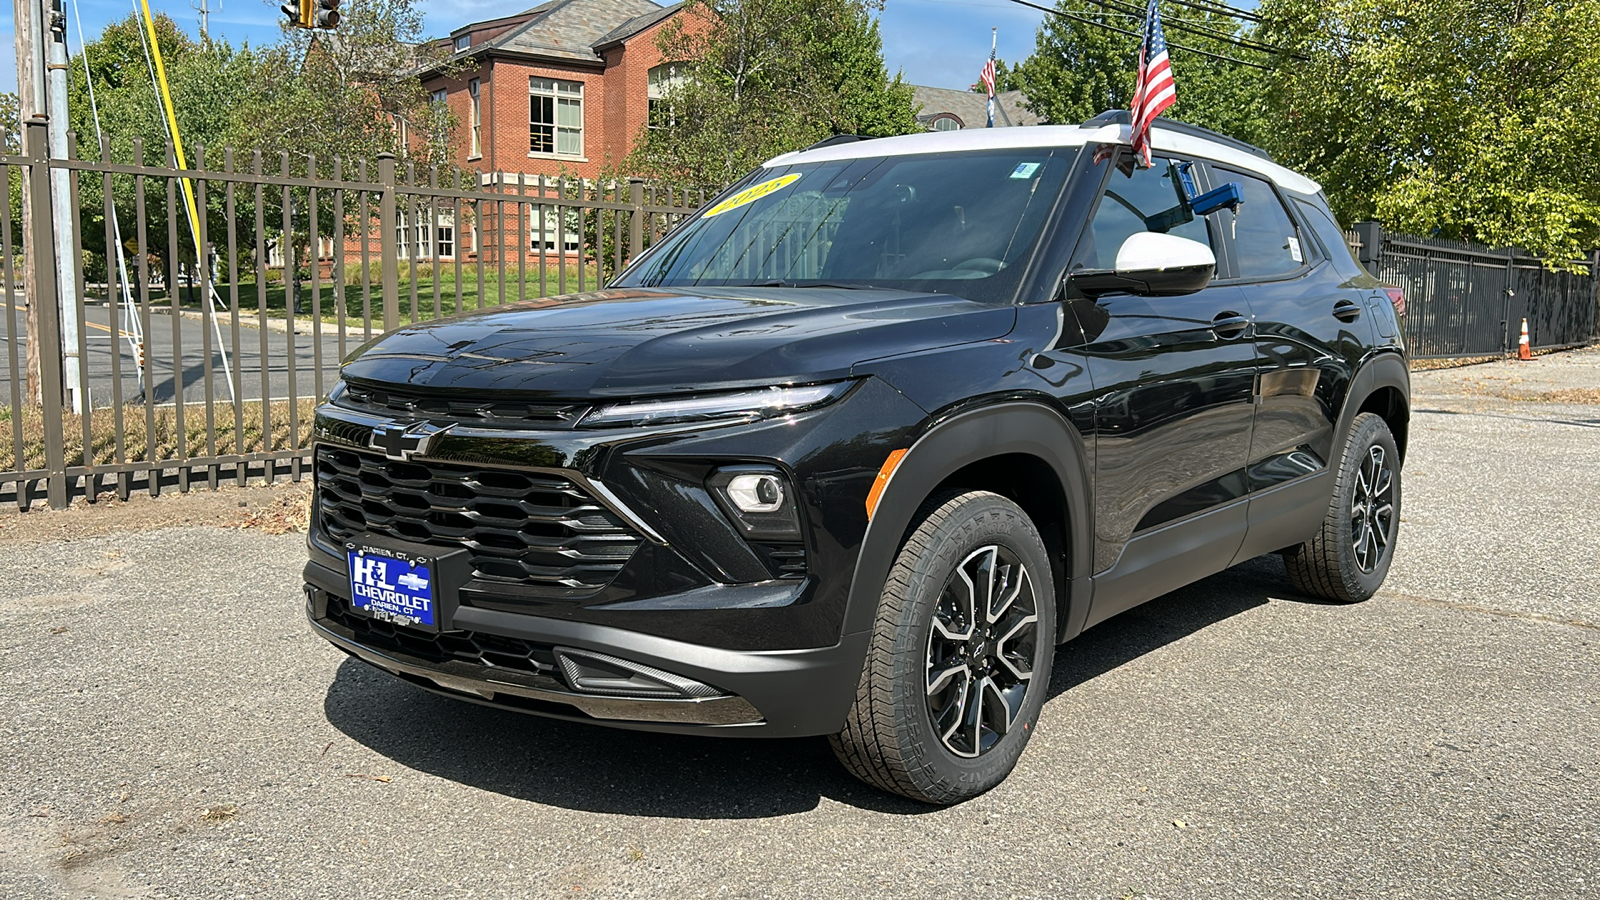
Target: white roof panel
{"points": [[1041, 136]]}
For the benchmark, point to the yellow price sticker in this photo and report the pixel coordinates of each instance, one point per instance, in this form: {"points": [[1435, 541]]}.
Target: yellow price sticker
{"points": [[752, 194]]}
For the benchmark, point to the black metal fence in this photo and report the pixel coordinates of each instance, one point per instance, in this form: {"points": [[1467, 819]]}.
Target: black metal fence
{"points": [[1468, 300], [185, 368]]}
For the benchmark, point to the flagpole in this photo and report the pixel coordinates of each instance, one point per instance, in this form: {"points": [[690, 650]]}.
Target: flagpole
{"points": [[994, 43]]}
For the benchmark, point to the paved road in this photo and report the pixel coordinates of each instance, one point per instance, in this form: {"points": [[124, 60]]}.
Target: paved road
{"points": [[1229, 740], [192, 356]]}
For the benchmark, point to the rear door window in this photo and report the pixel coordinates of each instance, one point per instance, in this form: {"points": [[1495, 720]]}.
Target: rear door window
{"points": [[1266, 243]]}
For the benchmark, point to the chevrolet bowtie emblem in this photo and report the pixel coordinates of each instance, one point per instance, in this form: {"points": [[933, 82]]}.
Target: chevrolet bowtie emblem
{"points": [[398, 441]]}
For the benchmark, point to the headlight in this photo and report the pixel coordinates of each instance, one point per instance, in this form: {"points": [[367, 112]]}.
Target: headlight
{"points": [[747, 406]]}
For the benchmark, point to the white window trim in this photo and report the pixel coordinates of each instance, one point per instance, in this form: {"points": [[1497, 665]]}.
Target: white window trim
{"points": [[474, 119], [558, 96]]}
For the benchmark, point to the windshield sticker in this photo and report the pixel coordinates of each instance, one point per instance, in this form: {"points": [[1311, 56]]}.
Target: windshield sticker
{"points": [[1024, 170], [752, 194], [1294, 250]]}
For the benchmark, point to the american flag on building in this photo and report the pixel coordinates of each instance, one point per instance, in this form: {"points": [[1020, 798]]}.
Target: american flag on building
{"points": [[1155, 89]]}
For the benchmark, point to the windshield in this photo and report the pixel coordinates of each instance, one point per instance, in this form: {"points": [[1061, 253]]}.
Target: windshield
{"points": [[961, 224]]}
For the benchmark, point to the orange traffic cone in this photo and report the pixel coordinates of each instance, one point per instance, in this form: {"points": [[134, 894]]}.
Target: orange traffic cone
{"points": [[1524, 351]]}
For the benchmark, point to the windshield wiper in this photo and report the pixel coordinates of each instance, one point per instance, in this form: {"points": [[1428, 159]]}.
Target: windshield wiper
{"points": [[841, 285]]}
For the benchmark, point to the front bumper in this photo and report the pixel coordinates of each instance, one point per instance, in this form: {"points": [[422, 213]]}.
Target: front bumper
{"points": [[786, 693]]}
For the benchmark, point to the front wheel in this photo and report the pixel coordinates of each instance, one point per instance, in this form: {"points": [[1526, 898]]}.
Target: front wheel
{"points": [[1347, 559], [960, 657]]}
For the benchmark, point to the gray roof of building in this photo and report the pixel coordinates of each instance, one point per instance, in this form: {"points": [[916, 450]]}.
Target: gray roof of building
{"points": [[972, 109], [570, 29], [635, 25]]}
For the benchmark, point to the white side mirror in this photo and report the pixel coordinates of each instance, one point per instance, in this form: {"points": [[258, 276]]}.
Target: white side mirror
{"points": [[1148, 251]]}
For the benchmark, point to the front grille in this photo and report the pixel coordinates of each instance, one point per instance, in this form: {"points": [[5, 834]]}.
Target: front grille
{"points": [[490, 650], [537, 531], [391, 401]]}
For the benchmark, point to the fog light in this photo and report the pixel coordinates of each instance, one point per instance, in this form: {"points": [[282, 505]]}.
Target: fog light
{"points": [[756, 493], [759, 500]]}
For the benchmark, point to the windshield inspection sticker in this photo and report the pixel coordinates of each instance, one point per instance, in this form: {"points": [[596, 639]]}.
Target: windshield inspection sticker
{"points": [[752, 194], [1024, 170]]}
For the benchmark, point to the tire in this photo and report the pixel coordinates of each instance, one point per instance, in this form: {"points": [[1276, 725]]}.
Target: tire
{"points": [[1347, 559], [907, 739]]}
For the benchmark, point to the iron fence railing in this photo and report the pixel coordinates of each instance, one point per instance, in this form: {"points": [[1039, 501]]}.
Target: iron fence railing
{"points": [[1468, 300], [203, 367]]}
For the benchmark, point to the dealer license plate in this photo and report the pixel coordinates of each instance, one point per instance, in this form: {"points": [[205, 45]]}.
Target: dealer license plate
{"points": [[394, 590]]}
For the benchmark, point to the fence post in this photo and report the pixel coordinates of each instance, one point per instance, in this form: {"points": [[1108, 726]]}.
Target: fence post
{"points": [[47, 315], [1370, 234], [636, 218], [388, 226]]}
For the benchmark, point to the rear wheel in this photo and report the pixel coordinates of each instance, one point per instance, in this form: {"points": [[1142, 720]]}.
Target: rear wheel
{"points": [[960, 656], [1348, 558]]}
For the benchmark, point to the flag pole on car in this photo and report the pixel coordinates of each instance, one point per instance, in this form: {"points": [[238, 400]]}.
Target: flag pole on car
{"points": [[1155, 90]]}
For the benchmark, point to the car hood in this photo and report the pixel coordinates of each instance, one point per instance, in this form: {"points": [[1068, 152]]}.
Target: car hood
{"points": [[627, 342]]}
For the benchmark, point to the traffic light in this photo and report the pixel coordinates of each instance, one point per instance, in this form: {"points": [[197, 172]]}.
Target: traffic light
{"points": [[299, 12], [326, 14], [312, 13]]}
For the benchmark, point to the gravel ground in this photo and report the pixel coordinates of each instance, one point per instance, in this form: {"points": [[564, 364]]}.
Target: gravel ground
{"points": [[187, 737]]}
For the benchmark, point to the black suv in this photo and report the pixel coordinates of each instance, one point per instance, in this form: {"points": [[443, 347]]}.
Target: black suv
{"points": [[852, 450]]}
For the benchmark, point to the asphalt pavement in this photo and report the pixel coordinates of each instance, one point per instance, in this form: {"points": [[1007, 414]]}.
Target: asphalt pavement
{"points": [[172, 729], [259, 369]]}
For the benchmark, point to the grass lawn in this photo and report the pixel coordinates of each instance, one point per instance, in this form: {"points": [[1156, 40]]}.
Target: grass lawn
{"points": [[141, 443]]}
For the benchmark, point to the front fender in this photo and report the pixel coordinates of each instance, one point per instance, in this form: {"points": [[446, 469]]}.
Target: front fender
{"points": [[952, 443]]}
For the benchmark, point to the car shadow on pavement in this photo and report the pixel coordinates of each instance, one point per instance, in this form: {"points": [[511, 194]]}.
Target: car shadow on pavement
{"points": [[579, 766]]}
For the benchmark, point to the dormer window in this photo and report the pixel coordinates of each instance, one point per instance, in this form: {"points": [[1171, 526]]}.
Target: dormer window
{"points": [[463, 42]]}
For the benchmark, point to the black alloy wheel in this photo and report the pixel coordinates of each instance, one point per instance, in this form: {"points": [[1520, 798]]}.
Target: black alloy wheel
{"points": [[1348, 558], [960, 658], [980, 650]]}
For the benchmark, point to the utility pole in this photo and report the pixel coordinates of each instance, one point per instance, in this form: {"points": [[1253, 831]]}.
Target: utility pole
{"points": [[30, 103], [205, 20], [61, 208]]}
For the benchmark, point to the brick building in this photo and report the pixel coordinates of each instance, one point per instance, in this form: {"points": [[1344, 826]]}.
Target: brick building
{"points": [[562, 90]]}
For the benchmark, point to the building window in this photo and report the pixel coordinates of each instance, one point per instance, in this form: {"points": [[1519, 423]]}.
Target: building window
{"points": [[463, 42], [555, 115], [445, 237], [415, 239], [947, 123], [473, 118], [437, 96], [546, 227], [664, 80]]}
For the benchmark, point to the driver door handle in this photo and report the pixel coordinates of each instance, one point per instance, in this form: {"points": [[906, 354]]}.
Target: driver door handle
{"points": [[1227, 325]]}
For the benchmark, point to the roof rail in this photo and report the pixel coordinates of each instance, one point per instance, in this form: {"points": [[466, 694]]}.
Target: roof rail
{"points": [[1122, 117], [837, 139]]}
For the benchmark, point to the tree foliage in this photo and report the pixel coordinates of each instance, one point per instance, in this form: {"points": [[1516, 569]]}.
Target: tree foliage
{"points": [[1083, 66], [1468, 119], [354, 92], [300, 99], [762, 77]]}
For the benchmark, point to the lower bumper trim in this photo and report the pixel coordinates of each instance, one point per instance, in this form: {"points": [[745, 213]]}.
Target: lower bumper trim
{"points": [[715, 711]]}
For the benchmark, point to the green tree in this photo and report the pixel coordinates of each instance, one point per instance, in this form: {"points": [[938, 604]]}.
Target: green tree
{"points": [[762, 77], [351, 93], [1082, 66], [208, 82], [1468, 119]]}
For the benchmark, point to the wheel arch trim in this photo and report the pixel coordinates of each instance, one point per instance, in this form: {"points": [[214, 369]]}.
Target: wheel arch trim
{"points": [[952, 444], [1378, 372]]}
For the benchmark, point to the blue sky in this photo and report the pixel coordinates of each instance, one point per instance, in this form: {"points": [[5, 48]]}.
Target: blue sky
{"points": [[937, 42]]}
